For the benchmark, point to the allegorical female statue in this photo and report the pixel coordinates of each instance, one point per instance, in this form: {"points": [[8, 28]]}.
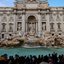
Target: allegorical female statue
{"points": [[31, 29]]}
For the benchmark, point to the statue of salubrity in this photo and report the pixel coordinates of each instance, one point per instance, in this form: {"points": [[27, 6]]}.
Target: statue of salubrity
{"points": [[31, 29]]}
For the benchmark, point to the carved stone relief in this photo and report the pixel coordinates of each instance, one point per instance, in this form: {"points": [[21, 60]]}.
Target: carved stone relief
{"points": [[43, 17], [19, 17], [51, 17], [4, 19], [58, 17], [11, 19]]}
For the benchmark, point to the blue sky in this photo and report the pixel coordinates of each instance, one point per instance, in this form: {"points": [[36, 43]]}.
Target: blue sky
{"points": [[51, 3]]}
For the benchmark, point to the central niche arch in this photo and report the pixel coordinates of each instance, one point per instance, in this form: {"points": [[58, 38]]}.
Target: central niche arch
{"points": [[31, 24], [31, 19]]}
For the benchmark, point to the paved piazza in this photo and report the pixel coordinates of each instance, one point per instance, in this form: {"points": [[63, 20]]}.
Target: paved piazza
{"points": [[32, 17]]}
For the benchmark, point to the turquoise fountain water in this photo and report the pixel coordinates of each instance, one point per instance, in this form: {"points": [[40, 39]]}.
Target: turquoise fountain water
{"points": [[32, 51]]}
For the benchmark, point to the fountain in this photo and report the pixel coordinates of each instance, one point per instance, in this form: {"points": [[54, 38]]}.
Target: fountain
{"points": [[29, 40], [31, 46]]}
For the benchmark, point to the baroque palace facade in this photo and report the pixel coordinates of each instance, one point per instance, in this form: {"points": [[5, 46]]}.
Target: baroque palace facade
{"points": [[33, 17]]}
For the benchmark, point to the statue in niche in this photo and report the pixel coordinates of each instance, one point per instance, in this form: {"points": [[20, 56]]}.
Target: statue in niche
{"points": [[31, 29], [19, 26]]}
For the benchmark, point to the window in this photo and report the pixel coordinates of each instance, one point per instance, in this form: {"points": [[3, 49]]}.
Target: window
{"points": [[10, 27], [51, 25], [3, 27]]}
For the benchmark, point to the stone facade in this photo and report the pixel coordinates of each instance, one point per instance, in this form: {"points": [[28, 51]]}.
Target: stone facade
{"points": [[33, 17]]}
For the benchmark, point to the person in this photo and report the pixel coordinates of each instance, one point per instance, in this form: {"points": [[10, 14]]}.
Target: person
{"points": [[47, 59]]}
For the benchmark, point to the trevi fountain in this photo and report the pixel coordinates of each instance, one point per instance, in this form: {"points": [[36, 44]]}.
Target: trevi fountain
{"points": [[31, 28]]}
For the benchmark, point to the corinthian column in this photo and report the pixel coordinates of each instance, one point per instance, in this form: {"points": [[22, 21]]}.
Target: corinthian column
{"points": [[23, 23], [39, 24]]}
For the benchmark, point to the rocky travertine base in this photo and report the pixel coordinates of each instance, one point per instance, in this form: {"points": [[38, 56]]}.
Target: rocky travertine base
{"points": [[34, 41], [10, 42]]}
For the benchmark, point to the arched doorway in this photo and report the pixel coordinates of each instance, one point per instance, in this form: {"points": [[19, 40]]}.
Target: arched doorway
{"points": [[31, 25]]}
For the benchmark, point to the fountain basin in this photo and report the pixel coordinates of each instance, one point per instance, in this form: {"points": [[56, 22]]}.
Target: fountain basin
{"points": [[30, 51]]}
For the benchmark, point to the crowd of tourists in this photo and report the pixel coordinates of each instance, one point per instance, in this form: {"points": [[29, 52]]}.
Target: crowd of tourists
{"points": [[47, 59]]}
